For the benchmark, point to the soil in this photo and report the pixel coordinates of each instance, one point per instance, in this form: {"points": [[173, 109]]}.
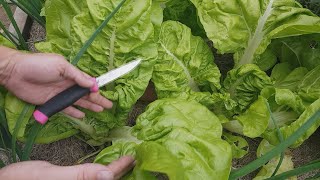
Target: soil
{"points": [[69, 151]]}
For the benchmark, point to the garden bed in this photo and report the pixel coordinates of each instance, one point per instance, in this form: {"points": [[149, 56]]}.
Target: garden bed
{"points": [[70, 151]]}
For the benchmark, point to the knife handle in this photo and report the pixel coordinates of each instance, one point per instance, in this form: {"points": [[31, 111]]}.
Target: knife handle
{"points": [[61, 101]]}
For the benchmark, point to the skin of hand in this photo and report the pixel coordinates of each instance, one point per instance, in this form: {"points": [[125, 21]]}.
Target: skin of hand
{"points": [[36, 170], [36, 78]]}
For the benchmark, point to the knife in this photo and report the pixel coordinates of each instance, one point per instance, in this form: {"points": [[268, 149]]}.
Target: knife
{"points": [[69, 96]]}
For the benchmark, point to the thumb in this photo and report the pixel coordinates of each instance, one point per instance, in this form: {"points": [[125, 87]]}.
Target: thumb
{"points": [[31, 170], [78, 76], [115, 170]]}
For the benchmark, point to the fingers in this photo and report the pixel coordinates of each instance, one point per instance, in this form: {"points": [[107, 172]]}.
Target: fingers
{"points": [[77, 76], [89, 105], [71, 111], [94, 102], [98, 99], [41, 170], [113, 171], [120, 167]]}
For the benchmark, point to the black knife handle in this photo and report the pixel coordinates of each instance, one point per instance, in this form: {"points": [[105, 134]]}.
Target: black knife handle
{"points": [[59, 102]]}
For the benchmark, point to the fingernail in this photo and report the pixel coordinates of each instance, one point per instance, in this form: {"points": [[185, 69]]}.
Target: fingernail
{"points": [[95, 87], [105, 175]]}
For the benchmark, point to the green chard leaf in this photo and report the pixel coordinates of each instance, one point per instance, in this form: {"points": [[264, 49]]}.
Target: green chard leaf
{"points": [[59, 15], [128, 35], [174, 134], [185, 67], [244, 85], [256, 118]]}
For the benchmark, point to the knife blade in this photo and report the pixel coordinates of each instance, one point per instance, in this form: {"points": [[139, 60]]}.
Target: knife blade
{"points": [[69, 96]]}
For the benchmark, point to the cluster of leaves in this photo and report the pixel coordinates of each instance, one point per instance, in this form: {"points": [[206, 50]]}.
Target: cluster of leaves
{"points": [[272, 92]]}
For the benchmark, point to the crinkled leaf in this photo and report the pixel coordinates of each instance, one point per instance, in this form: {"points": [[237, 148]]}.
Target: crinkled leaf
{"points": [[164, 115], [213, 156], [244, 85], [185, 67], [175, 134], [59, 15], [191, 133], [127, 36]]}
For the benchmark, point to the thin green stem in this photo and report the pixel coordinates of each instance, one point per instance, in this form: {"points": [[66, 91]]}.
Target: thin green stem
{"points": [[280, 136], [33, 133], [297, 171], [16, 130]]}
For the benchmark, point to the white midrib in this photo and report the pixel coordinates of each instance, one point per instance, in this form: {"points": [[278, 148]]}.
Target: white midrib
{"points": [[111, 56], [257, 38], [111, 52], [192, 84]]}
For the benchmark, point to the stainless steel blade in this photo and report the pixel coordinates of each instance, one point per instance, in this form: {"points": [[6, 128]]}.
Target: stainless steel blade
{"points": [[117, 73]]}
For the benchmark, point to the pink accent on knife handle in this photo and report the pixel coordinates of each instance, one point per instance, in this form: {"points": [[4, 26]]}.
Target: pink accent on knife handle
{"points": [[94, 88], [40, 117]]}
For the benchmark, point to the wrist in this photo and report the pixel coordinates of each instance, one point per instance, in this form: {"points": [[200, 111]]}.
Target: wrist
{"points": [[6, 63]]}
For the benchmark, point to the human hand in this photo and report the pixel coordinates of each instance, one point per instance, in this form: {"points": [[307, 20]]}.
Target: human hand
{"points": [[35, 170], [36, 78]]}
